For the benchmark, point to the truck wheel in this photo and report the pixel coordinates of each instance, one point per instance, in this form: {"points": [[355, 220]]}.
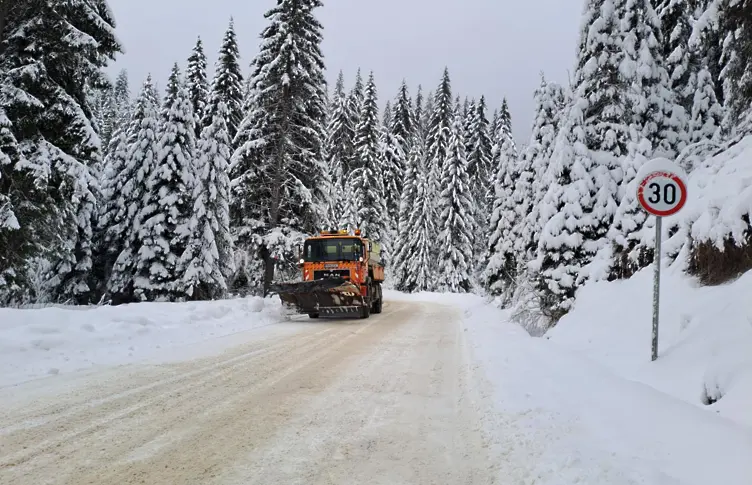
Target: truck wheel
{"points": [[365, 311], [377, 305], [313, 315]]}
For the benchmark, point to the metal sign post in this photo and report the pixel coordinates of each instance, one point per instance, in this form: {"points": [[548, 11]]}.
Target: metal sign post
{"points": [[656, 283], [662, 192]]}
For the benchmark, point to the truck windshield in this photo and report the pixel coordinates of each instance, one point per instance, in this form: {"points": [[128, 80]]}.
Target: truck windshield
{"points": [[345, 249]]}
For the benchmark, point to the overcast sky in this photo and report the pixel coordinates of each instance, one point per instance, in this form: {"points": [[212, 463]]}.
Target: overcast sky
{"points": [[495, 48]]}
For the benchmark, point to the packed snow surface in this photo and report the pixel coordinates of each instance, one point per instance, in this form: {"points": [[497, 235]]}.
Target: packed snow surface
{"points": [[437, 389]]}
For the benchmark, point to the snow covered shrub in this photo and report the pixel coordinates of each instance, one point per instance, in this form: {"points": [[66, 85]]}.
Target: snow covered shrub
{"points": [[31, 285], [248, 277], [528, 308], [715, 266]]}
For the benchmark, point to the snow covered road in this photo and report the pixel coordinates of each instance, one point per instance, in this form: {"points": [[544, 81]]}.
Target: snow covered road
{"points": [[439, 389], [386, 400]]}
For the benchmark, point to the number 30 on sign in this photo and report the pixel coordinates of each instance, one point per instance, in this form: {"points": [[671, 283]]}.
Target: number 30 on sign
{"points": [[662, 193]]}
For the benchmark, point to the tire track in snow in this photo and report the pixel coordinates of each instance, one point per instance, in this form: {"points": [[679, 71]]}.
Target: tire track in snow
{"points": [[109, 411], [134, 419]]}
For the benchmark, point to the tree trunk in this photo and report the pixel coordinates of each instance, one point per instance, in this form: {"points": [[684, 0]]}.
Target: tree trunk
{"points": [[266, 257], [276, 199]]}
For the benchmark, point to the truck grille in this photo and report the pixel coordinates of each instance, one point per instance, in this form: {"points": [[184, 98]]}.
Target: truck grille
{"points": [[331, 273]]}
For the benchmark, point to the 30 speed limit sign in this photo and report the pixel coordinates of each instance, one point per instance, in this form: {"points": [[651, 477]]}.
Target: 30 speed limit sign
{"points": [[662, 192]]}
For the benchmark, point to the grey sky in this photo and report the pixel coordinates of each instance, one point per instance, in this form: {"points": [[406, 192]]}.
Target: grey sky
{"points": [[492, 47]]}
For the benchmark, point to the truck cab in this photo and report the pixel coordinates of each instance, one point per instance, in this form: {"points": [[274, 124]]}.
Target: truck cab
{"points": [[340, 254]]}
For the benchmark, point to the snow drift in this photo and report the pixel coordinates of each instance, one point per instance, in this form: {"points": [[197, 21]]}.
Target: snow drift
{"points": [[38, 342], [704, 345], [561, 417]]}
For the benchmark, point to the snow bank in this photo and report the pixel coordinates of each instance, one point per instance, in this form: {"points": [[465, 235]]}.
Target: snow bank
{"points": [[561, 418], [720, 195], [40, 342], [705, 344]]}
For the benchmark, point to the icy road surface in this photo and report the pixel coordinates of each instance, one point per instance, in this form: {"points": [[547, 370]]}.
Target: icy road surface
{"points": [[389, 400]]}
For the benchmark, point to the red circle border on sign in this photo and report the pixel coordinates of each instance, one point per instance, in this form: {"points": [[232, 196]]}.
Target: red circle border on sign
{"points": [[672, 176]]}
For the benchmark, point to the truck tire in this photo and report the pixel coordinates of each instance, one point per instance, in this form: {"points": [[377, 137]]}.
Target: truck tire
{"points": [[313, 315], [379, 302], [365, 311]]}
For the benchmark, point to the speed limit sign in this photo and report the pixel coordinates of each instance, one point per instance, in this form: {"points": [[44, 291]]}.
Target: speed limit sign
{"points": [[662, 192]]}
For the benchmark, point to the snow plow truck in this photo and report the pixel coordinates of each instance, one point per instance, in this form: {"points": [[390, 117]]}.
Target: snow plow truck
{"points": [[342, 275]]}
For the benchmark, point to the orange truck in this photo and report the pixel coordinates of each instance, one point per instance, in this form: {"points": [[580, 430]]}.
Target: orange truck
{"points": [[342, 273]]}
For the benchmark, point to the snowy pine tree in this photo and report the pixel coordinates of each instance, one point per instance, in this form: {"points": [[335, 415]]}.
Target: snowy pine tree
{"points": [[113, 107], [277, 171], [198, 86], [468, 119], [655, 130], [164, 221], [480, 170], [439, 131], [403, 125], [368, 176], [393, 160], [707, 114], [456, 221], [386, 120], [504, 147], [501, 267], [425, 119], [480, 147], [354, 109], [706, 41], [734, 22], [228, 81], [403, 132], [416, 270], [339, 148], [110, 234], [14, 239], [356, 97], [522, 200], [9, 156], [349, 218], [495, 121], [675, 20], [578, 210], [693, 68], [406, 217], [550, 103], [50, 58], [209, 259], [123, 189], [568, 239], [419, 128], [664, 121]]}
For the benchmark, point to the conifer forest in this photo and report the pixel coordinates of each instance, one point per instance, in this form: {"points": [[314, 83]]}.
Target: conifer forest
{"points": [[184, 187]]}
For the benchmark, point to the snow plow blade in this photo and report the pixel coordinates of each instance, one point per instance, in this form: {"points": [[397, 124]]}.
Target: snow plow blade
{"points": [[332, 296]]}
